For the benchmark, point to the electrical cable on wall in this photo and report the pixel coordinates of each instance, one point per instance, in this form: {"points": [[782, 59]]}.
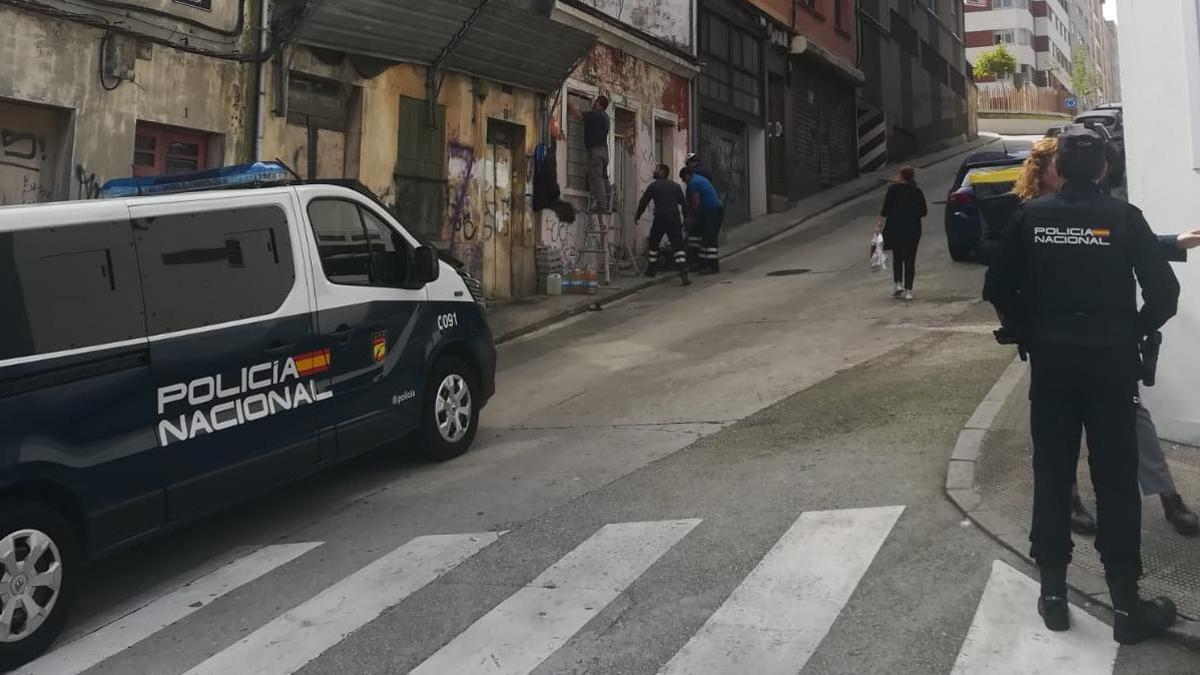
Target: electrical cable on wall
{"points": [[104, 61]]}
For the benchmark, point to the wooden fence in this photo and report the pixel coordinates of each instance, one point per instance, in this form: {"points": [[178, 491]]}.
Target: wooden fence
{"points": [[998, 98]]}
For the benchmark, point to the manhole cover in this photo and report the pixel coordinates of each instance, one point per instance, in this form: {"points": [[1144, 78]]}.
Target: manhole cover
{"points": [[788, 273]]}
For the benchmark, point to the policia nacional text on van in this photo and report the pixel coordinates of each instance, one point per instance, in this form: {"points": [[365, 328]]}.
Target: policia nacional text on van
{"points": [[1064, 286], [165, 356]]}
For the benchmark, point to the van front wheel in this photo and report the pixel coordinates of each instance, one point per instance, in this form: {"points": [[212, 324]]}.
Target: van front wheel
{"points": [[450, 410], [39, 563]]}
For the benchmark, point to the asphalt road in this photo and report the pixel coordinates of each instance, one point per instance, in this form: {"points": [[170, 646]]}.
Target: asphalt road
{"points": [[743, 476]]}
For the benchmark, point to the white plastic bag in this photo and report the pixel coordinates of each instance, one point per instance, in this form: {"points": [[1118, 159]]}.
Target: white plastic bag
{"points": [[878, 255]]}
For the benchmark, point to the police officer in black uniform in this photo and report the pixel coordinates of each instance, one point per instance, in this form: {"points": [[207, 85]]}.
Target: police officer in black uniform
{"points": [[668, 201], [1064, 286]]}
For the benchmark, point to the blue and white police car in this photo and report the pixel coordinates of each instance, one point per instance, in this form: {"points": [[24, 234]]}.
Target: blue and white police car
{"points": [[189, 343]]}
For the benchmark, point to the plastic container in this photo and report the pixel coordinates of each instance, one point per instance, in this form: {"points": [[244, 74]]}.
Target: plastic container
{"points": [[554, 284], [591, 281]]}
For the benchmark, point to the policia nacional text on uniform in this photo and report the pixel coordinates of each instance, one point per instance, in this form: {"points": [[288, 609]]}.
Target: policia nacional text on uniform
{"points": [[1065, 288]]}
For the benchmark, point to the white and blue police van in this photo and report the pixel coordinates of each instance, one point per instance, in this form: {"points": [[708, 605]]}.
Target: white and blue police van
{"points": [[188, 343]]}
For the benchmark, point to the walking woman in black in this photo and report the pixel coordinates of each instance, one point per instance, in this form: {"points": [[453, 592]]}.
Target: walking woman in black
{"points": [[903, 208]]}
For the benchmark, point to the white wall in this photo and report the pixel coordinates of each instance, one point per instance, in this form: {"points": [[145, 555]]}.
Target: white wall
{"points": [[1160, 82], [670, 20], [999, 19]]}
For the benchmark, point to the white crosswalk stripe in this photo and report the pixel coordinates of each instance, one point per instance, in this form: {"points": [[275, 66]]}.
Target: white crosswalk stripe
{"points": [[91, 649], [1007, 635], [289, 642], [774, 621], [534, 622]]}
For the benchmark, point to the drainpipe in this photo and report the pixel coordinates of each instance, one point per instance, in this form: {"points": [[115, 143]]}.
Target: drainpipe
{"points": [[260, 121]]}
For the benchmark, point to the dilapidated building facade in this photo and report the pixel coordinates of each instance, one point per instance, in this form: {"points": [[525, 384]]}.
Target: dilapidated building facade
{"points": [[90, 91], [644, 63], [437, 108]]}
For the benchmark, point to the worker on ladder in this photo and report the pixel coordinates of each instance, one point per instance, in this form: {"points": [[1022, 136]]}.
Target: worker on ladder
{"points": [[596, 129], [668, 201], [705, 213]]}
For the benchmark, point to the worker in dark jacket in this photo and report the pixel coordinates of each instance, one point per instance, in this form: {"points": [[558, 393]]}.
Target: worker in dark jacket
{"points": [[668, 201], [900, 220], [1064, 286]]}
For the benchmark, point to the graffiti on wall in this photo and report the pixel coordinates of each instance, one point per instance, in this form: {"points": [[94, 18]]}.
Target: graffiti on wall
{"points": [[23, 163], [88, 184], [668, 20], [461, 169]]}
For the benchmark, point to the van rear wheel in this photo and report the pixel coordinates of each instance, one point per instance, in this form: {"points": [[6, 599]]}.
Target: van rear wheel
{"points": [[450, 410], [39, 563]]}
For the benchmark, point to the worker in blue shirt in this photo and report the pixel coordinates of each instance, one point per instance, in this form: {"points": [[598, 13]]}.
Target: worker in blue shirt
{"points": [[705, 213]]}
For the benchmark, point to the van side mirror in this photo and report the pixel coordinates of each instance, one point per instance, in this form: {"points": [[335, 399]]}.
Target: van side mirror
{"points": [[426, 266]]}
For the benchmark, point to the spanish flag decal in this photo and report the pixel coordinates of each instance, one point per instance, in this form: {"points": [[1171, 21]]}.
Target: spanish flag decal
{"points": [[379, 346], [1101, 232], [311, 363]]}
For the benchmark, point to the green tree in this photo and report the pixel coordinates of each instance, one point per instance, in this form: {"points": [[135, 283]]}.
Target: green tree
{"points": [[1083, 76], [995, 63]]}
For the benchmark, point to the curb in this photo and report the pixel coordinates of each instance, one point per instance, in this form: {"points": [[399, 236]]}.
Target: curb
{"points": [[960, 488], [730, 252]]}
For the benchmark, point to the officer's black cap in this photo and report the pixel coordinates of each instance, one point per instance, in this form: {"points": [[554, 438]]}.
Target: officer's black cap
{"points": [[1078, 143]]}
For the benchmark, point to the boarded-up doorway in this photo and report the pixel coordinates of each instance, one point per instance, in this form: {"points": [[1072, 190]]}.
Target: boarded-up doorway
{"points": [[624, 177], [33, 151], [507, 236], [319, 115]]}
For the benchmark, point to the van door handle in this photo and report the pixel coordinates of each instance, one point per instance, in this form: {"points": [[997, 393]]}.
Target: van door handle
{"points": [[276, 348], [341, 334]]}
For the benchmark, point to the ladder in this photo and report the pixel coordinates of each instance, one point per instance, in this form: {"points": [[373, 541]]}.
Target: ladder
{"points": [[598, 238]]}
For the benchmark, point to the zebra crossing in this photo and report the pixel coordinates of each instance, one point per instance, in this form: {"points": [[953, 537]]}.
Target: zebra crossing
{"points": [[773, 621]]}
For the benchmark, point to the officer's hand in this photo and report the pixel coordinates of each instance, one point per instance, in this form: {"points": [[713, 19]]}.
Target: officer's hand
{"points": [[1188, 240]]}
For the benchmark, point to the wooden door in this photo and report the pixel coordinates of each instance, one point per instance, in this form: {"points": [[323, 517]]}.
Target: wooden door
{"points": [[498, 210]]}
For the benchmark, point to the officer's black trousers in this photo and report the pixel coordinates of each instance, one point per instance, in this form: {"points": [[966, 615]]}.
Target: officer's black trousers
{"points": [[1095, 389]]}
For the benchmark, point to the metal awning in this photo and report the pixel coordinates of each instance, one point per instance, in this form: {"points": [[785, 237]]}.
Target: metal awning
{"points": [[510, 41]]}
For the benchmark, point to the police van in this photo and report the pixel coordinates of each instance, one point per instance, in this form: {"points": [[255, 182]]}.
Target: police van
{"points": [[166, 355]]}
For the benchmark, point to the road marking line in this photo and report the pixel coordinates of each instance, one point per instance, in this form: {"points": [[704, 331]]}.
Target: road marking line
{"points": [[300, 635], [776, 618], [89, 650], [538, 619], [1008, 636]]}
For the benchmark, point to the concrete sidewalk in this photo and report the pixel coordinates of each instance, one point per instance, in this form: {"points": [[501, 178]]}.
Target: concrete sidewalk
{"points": [[512, 319], [990, 477]]}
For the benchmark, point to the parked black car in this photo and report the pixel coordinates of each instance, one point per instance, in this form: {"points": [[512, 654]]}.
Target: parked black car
{"points": [[981, 189]]}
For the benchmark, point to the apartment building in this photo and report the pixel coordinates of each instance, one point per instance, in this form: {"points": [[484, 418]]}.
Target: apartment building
{"points": [[1037, 32], [1112, 62]]}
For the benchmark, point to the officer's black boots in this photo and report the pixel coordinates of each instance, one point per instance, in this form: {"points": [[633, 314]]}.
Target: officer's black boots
{"points": [[1135, 619], [1052, 603], [1082, 521], [1179, 515]]}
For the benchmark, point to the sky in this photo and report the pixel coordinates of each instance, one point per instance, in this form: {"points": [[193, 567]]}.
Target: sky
{"points": [[1110, 9]]}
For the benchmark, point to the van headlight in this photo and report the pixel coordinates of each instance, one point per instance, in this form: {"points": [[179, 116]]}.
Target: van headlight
{"points": [[473, 285]]}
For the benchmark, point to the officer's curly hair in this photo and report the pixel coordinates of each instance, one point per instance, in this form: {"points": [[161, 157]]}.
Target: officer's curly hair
{"points": [[1030, 185]]}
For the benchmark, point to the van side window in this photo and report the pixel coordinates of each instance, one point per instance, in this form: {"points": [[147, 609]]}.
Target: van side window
{"points": [[357, 248], [67, 288], [211, 267]]}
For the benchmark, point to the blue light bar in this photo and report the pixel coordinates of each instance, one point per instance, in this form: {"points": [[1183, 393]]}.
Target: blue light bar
{"points": [[241, 175]]}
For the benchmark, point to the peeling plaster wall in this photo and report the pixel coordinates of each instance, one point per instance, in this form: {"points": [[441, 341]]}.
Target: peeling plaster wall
{"points": [[99, 127], [669, 20], [651, 94], [498, 250]]}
